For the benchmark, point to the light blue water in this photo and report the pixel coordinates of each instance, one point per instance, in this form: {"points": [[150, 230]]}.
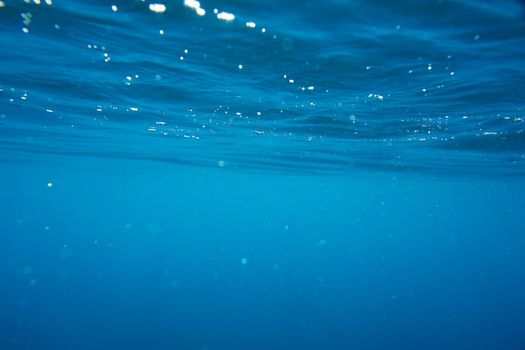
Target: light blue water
{"points": [[275, 175]]}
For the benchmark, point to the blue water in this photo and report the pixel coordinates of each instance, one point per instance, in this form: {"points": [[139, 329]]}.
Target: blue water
{"points": [[262, 174]]}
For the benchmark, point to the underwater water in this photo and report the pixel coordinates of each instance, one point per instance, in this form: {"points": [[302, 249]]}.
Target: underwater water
{"points": [[252, 174]]}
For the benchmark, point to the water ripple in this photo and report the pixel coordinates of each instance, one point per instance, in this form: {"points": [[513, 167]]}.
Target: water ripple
{"points": [[333, 86]]}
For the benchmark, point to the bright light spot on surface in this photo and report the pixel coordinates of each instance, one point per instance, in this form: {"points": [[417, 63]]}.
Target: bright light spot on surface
{"points": [[221, 163], [161, 32], [133, 109], [114, 8], [49, 2], [49, 184], [2, 4], [311, 88], [193, 4], [376, 96], [25, 30], [244, 261], [250, 24], [226, 16], [263, 30], [241, 66], [158, 8]]}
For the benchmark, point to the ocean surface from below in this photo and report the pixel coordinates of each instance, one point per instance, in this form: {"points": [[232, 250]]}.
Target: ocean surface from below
{"points": [[432, 87], [232, 175]]}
